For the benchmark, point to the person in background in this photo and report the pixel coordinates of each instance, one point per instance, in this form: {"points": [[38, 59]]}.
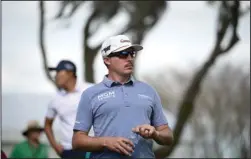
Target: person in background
{"points": [[64, 106], [126, 114], [31, 147]]}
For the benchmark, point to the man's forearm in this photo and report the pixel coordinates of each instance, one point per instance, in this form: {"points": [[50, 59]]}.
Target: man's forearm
{"points": [[87, 143], [164, 137], [50, 136]]}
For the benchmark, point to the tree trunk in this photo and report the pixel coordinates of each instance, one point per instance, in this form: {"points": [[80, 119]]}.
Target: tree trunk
{"points": [[89, 54], [89, 57]]}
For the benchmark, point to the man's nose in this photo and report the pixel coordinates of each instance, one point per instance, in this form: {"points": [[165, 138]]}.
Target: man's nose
{"points": [[130, 57]]}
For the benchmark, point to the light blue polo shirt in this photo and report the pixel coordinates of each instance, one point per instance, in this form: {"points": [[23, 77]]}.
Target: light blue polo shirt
{"points": [[114, 109]]}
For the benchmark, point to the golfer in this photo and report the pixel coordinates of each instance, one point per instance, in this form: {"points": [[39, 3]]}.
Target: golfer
{"points": [[64, 106], [126, 114]]}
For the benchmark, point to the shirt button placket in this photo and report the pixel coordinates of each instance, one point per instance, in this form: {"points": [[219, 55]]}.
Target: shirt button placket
{"points": [[125, 97]]}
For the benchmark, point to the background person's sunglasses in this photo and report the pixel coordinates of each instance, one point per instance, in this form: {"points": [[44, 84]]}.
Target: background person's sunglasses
{"points": [[123, 54]]}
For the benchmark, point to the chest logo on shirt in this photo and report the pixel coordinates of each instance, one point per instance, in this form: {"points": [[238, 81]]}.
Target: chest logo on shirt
{"points": [[106, 95], [142, 96]]}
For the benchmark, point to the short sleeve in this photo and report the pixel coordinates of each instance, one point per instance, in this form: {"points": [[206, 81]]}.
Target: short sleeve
{"points": [[51, 111], [84, 114], [158, 117]]}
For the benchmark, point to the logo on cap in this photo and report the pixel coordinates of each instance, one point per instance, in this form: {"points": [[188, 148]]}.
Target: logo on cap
{"points": [[123, 41], [107, 48], [68, 66]]}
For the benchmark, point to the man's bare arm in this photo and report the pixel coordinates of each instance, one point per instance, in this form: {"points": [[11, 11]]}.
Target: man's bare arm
{"points": [[164, 135], [82, 141], [49, 132], [50, 135]]}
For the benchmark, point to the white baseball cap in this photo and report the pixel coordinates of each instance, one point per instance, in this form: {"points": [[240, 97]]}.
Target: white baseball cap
{"points": [[116, 44]]}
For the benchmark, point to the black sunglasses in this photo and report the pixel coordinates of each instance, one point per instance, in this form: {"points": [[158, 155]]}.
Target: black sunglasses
{"points": [[123, 54]]}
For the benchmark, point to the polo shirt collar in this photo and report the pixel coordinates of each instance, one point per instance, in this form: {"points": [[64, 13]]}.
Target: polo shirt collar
{"points": [[110, 83]]}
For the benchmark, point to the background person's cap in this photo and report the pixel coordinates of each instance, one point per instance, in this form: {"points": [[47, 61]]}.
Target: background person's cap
{"points": [[116, 44], [64, 65]]}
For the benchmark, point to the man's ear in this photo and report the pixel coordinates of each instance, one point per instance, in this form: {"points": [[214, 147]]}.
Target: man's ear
{"points": [[107, 61]]}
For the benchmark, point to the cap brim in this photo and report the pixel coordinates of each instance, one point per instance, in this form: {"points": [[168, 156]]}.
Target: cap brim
{"points": [[52, 68], [136, 47]]}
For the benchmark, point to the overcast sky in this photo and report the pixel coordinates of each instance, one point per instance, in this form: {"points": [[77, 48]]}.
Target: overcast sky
{"points": [[184, 35]]}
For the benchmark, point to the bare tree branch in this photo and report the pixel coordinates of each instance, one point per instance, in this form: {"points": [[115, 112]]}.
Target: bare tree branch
{"points": [[63, 5], [222, 109], [41, 41], [228, 15]]}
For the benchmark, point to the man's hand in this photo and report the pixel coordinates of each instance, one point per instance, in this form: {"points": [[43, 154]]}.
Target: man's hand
{"points": [[59, 149], [161, 134], [146, 131], [119, 144]]}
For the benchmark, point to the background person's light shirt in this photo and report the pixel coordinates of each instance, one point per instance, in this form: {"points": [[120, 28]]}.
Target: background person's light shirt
{"points": [[64, 106]]}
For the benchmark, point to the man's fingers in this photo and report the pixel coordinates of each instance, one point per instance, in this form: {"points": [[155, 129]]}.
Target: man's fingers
{"points": [[127, 147], [151, 132], [128, 142], [146, 133], [117, 150], [122, 148], [142, 130], [136, 129]]}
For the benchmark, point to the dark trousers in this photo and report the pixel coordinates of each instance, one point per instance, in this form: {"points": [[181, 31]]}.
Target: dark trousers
{"points": [[73, 154]]}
